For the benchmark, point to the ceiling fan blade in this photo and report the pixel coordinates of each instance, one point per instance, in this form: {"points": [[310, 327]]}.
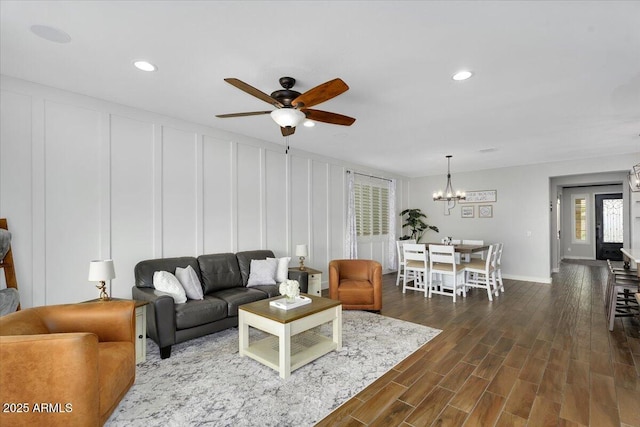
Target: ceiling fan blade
{"points": [[253, 91], [320, 93], [287, 131], [327, 117], [252, 113]]}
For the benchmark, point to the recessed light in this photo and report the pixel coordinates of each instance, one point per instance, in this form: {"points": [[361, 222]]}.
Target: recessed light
{"points": [[462, 75], [144, 65], [309, 124], [50, 33]]}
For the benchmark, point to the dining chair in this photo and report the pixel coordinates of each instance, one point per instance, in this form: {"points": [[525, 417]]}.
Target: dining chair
{"points": [[619, 296], [399, 244], [416, 259], [467, 257], [481, 273], [442, 261], [498, 268], [454, 242]]}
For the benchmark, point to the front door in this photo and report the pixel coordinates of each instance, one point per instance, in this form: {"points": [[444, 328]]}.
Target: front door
{"points": [[609, 226]]}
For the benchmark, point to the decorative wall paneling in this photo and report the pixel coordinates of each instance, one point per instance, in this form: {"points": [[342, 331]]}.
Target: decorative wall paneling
{"points": [[84, 179]]}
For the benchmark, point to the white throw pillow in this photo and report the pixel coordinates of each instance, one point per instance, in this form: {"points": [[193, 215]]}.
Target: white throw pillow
{"points": [[262, 272], [189, 280], [166, 282], [282, 272]]}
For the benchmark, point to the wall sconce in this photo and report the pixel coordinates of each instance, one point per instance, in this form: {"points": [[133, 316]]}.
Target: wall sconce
{"points": [[101, 271], [301, 251]]}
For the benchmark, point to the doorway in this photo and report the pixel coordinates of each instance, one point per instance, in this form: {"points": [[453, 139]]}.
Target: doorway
{"points": [[609, 226]]}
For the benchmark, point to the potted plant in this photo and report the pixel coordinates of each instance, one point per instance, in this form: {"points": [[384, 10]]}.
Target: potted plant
{"points": [[415, 223]]}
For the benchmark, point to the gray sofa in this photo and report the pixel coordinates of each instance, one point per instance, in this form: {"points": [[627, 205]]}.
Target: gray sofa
{"points": [[224, 281]]}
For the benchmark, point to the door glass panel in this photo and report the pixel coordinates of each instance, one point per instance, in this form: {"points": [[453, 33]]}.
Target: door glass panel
{"points": [[612, 220]]}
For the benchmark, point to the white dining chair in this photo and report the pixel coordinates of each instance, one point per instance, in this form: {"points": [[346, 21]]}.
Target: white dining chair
{"points": [[498, 268], [416, 266], [400, 252], [480, 273], [468, 257], [442, 262], [454, 242]]}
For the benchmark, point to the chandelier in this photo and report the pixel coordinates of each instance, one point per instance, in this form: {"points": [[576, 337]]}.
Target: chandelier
{"points": [[634, 178], [448, 194]]}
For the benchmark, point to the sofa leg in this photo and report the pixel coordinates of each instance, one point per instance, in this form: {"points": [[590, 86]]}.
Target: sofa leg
{"points": [[165, 352]]}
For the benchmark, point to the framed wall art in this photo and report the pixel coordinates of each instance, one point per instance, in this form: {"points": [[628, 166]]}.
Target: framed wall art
{"points": [[485, 211], [467, 211], [481, 196]]}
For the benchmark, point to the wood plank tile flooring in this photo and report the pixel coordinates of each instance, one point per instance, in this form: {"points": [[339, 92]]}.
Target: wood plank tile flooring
{"points": [[538, 355]]}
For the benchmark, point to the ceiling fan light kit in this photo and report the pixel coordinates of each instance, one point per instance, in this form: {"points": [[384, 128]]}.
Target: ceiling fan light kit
{"points": [[287, 117], [292, 107]]}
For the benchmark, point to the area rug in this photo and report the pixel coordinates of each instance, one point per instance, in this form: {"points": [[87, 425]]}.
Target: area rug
{"points": [[205, 382]]}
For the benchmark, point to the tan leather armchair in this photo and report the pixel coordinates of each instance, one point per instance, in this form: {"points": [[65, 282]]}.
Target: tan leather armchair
{"points": [[357, 283], [77, 360]]}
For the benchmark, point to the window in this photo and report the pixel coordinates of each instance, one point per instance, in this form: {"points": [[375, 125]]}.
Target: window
{"points": [[579, 219], [372, 209]]}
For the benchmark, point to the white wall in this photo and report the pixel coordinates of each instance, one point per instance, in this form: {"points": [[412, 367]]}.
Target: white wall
{"points": [[83, 179], [521, 215]]}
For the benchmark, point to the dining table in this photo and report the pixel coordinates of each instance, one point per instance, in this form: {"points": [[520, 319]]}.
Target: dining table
{"points": [[462, 248], [631, 254]]}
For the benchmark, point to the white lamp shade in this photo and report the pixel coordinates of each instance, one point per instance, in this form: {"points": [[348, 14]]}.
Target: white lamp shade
{"points": [[101, 270], [301, 250], [287, 117]]}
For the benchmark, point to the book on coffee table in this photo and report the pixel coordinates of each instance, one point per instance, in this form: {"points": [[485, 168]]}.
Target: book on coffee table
{"points": [[283, 304]]}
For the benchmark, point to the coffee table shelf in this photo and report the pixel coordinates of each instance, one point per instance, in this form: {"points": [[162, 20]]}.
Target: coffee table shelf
{"points": [[305, 348]]}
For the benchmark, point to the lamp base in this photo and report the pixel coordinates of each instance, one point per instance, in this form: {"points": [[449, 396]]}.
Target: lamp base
{"points": [[302, 267], [103, 291]]}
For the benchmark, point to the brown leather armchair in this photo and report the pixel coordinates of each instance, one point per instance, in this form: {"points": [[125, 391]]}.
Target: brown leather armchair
{"points": [[77, 360], [357, 283]]}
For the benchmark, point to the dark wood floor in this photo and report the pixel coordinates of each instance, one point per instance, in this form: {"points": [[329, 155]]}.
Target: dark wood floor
{"points": [[538, 355]]}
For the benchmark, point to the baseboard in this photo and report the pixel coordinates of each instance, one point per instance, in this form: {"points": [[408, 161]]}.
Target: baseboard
{"points": [[588, 258], [546, 280]]}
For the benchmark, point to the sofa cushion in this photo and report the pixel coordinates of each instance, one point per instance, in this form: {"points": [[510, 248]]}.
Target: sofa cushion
{"points": [[269, 290], [263, 272], [219, 271], [196, 313], [237, 296], [144, 270], [190, 282], [244, 261]]}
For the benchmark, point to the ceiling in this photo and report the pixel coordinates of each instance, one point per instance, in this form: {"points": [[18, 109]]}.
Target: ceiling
{"points": [[552, 80]]}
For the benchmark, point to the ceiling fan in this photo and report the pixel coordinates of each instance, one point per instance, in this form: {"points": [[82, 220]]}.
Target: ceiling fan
{"points": [[292, 107]]}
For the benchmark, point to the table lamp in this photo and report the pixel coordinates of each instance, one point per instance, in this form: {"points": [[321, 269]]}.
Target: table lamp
{"points": [[101, 271], [301, 251]]}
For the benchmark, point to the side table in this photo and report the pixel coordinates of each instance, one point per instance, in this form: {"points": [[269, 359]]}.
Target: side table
{"points": [[141, 327], [315, 280]]}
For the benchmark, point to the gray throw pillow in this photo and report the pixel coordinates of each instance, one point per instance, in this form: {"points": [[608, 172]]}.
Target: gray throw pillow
{"points": [[262, 272], [189, 280]]}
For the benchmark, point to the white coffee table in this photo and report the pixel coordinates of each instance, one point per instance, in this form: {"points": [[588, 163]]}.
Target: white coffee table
{"points": [[290, 332]]}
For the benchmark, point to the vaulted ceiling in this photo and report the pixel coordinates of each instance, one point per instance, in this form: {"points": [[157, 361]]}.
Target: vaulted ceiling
{"points": [[551, 80]]}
